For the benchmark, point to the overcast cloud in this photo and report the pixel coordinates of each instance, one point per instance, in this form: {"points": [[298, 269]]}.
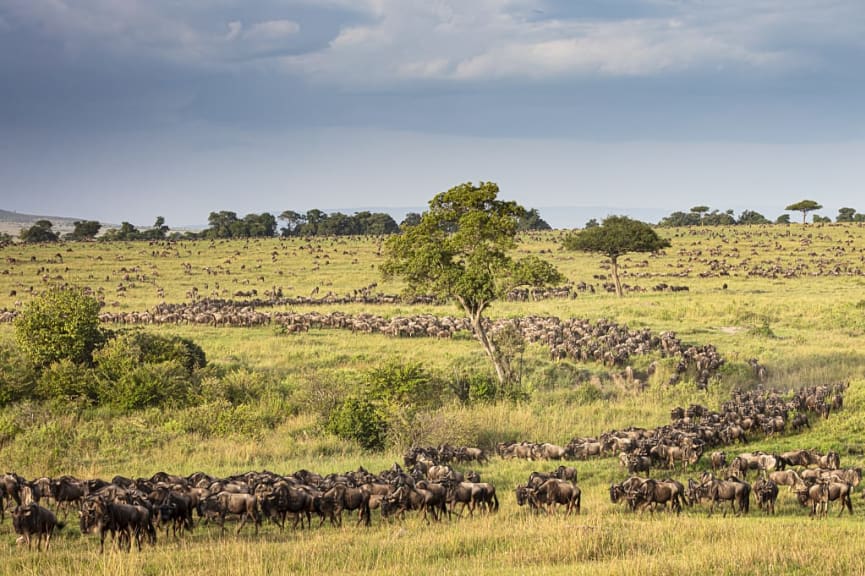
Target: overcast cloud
{"points": [[128, 109]]}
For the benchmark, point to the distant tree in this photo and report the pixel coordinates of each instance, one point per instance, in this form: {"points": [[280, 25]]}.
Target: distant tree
{"points": [[376, 223], [62, 323], [158, 231], [818, 219], [846, 215], [411, 219], [700, 210], [314, 219], [783, 219], [532, 220], [41, 231], [592, 223], [804, 206], [677, 219], [716, 218], [126, 232], [293, 221], [617, 235], [84, 230], [5, 239], [752, 217], [460, 250], [220, 224]]}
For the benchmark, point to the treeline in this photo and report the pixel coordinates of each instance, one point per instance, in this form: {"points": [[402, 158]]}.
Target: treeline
{"points": [[227, 224], [704, 216]]}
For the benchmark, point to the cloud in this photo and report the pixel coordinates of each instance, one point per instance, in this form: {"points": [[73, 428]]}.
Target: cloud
{"points": [[498, 39]]}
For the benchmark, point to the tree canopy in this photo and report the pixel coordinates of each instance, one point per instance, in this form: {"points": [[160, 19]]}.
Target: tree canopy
{"points": [[617, 235], [41, 231], [804, 206], [459, 250]]}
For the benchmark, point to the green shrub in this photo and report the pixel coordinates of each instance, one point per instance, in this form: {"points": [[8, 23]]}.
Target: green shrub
{"points": [[360, 420], [17, 376], [62, 323], [125, 352], [66, 380], [146, 385]]}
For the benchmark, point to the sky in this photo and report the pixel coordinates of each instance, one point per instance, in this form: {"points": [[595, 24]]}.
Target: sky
{"points": [[125, 110]]}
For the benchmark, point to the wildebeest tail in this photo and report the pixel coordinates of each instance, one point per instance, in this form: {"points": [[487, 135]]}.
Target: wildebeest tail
{"points": [[495, 502], [60, 525]]}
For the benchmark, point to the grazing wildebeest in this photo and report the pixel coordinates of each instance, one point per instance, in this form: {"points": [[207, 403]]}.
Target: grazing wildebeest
{"points": [[765, 493], [32, 519]]}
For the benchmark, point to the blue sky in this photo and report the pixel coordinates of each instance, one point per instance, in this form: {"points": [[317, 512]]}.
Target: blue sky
{"points": [[129, 109]]}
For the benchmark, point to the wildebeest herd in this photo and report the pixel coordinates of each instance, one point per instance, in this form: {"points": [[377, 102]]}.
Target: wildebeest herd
{"points": [[131, 510]]}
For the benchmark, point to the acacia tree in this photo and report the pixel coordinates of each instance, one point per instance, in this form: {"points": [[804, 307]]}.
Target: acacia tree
{"points": [[700, 211], [459, 250], [804, 206], [617, 235]]}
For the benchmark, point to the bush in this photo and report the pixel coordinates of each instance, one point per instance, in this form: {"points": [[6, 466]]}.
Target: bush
{"points": [[167, 383], [17, 376], [126, 351], [360, 420], [66, 380], [62, 323]]}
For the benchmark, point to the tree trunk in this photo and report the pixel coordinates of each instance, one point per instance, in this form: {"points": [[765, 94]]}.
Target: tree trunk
{"points": [[615, 272], [476, 320]]}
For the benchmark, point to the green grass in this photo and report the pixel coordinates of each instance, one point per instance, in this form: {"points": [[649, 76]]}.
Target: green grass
{"points": [[806, 328]]}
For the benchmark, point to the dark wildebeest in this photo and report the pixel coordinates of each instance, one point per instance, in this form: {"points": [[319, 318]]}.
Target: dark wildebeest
{"points": [[33, 519], [555, 492], [653, 492], [65, 491], [816, 496], [286, 500], [732, 489], [719, 460], [345, 497], [124, 521], [765, 494]]}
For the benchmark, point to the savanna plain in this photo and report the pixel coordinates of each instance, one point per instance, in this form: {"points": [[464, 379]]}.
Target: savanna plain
{"points": [[790, 296]]}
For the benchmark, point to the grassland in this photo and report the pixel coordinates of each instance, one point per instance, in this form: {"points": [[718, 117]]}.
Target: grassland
{"points": [[792, 296]]}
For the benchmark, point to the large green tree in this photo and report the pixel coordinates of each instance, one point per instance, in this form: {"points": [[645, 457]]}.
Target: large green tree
{"points": [[617, 235], [459, 250], [62, 323], [41, 231], [804, 206]]}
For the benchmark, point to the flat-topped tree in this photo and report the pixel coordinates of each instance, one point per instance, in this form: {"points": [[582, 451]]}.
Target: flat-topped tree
{"points": [[617, 235], [459, 250], [804, 206]]}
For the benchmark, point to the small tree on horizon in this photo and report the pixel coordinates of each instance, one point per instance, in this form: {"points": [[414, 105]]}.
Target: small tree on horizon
{"points": [[700, 210], [804, 206], [617, 235]]}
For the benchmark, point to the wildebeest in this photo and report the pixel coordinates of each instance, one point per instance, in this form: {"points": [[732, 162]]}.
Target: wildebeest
{"points": [[652, 492], [218, 506], [32, 519], [124, 521], [347, 498], [555, 492], [737, 492], [765, 493]]}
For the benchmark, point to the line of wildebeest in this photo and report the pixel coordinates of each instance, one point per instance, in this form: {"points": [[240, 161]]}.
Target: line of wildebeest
{"points": [[132, 510]]}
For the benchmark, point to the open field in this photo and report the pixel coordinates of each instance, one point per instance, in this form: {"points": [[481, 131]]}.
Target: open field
{"points": [[791, 296]]}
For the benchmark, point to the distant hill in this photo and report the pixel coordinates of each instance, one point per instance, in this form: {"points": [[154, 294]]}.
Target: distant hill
{"points": [[13, 222]]}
